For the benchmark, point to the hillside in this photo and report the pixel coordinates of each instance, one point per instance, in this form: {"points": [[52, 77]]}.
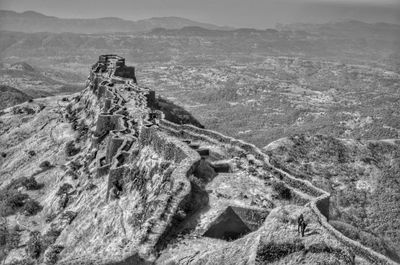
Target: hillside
{"points": [[36, 82], [10, 96], [276, 83], [102, 177], [31, 21], [348, 28], [363, 178]]}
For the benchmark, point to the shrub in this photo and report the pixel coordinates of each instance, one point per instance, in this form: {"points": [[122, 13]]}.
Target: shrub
{"points": [[16, 183], [22, 262], [3, 155], [13, 238], [9, 238], [320, 247], [10, 201], [282, 191], [45, 165], [34, 245], [16, 199], [3, 232], [72, 174], [52, 253], [31, 207], [64, 189], [272, 251], [63, 201], [70, 149], [50, 237], [28, 183], [285, 216], [31, 184], [75, 165], [346, 229], [31, 153], [91, 186]]}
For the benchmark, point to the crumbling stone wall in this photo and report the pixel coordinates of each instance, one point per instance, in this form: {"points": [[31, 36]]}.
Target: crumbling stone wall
{"points": [[132, 142], [170, 189], [320, 199], [126, 161]]}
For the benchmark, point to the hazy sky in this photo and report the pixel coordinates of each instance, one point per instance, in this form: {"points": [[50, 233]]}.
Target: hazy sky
{"points": [[238, 13]]}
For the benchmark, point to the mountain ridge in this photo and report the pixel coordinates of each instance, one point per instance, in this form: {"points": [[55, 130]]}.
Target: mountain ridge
{"points": [[140, 189], [32, 21]]}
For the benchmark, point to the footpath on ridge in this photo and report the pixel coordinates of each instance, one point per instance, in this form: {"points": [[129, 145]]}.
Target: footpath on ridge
{"points": [[129, 118]]}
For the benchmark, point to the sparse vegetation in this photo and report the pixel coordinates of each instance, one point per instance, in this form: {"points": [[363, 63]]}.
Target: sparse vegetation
{"points": [[22, 110], [9, 238], [28, 183], [32, 184], [272, 251], [34, 246], [70, 149], [50, 217], [45, 165], [366, 173], [10, 201], [50, 237], [31, 207], [64, 189], [52, 253], [23, 262], [75, 165]]}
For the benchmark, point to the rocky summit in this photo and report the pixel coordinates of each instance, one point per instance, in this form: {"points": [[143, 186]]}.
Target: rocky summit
{"points": [[113, 175]]}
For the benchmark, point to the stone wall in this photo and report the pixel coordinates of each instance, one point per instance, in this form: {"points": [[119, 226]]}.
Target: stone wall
{"points": [[319, 202], [129, 148], [171, 190], [166, 193]]}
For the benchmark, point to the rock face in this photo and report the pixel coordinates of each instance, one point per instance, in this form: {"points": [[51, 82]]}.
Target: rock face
{"points": [[126, 186]]}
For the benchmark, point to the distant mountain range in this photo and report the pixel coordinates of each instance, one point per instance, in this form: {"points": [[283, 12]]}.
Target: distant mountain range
{"points": [[31, 21], [348, 29]]}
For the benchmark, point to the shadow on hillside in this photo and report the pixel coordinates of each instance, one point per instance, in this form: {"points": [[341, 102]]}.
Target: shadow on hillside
{"points": [[175, 113]]}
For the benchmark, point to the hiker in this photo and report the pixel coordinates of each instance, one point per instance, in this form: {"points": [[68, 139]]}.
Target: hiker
{"points": [[300, 220]]}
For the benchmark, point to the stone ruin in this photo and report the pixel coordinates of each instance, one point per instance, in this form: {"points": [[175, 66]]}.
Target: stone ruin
{"points": [[130, 122]]}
